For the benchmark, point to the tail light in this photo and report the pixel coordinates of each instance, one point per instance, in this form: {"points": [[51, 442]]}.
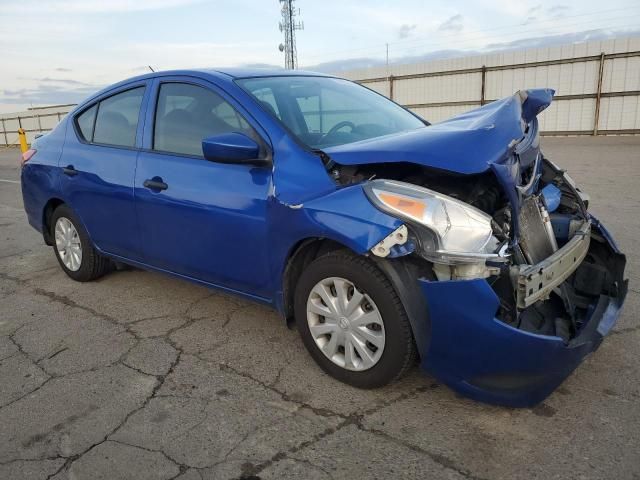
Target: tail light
{"points": [[26, 156]]}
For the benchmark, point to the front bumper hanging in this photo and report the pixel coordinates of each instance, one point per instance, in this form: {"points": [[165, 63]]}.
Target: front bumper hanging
{"points": [[480, 356]]}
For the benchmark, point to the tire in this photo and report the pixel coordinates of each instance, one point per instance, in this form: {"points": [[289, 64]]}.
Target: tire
{"points": [[398, 352], [89, 265]]}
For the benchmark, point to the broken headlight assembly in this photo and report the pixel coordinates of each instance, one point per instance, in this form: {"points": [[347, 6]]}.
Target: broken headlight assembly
{"points": [[448, 231]]}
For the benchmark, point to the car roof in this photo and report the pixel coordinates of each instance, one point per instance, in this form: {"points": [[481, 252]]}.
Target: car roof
{"points": [[225, 74], [246, 72]]}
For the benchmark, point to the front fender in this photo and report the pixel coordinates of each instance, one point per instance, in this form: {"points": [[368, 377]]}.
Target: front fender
{"points": [[345, 216], [348, 217]]}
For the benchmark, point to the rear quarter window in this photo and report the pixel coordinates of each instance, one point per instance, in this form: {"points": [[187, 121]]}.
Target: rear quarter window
{"points": [[85, 123]]}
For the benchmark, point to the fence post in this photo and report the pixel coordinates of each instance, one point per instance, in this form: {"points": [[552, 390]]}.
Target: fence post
{"points": [[391, 87], [22, 135], [39, 124], [596, 115], [4, 130], [482, 87]]}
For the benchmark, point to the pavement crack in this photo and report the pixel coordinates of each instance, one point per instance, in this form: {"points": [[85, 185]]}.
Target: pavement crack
{"points": [[144, 319], [34, 460], [438, 458], [228, 318], [309, 463], [195, 303], [19, 346], [277, 379], [346, 420], [183, 467], [57, 353], [131, 367], [159, 382], [247, 435], [322, 412], [64, 300], [26, 394]]}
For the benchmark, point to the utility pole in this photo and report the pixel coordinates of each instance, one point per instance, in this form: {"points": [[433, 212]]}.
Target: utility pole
{"points": [[289, 25], [387, 56]]}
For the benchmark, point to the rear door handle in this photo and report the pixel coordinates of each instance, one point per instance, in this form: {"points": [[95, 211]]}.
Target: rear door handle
{"points": [[70, 171], [155, 183]]}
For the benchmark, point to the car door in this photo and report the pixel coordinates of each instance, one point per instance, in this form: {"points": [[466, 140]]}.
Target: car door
{"points": [[98, 168], [198, 218]]}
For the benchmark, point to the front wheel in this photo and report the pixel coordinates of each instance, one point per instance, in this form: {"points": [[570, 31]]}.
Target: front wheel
{"points": [[352, 321], [73, 249]]}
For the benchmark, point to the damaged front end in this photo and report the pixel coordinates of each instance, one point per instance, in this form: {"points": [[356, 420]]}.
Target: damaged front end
{"points": [[520, 282]]}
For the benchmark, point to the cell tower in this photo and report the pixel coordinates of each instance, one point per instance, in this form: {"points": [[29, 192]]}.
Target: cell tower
{"points": [[289, 25]]}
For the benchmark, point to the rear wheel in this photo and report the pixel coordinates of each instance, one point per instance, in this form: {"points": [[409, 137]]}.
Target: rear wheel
{"points": [[72, 247], [352, 321]]}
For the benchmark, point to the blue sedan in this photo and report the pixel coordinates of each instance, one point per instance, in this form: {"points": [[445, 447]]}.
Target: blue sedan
{"points": [[385, 239]]}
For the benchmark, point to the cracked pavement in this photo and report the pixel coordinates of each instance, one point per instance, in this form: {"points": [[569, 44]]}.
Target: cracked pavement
{"points": [[142, 376]]}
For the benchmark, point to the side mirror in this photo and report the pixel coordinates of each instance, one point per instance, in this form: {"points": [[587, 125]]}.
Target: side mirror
{"points": [[230, 148]]}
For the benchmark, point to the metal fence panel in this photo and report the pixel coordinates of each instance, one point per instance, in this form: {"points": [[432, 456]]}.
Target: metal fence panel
{"points": [[34, 122], [597, 84]]}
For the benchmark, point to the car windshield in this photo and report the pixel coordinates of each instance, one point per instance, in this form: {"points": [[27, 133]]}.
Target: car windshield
{"points": [[323, 112]]}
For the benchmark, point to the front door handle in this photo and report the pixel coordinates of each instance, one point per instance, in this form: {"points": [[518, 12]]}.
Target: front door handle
{"points": [[155, 183], [70, 171]]}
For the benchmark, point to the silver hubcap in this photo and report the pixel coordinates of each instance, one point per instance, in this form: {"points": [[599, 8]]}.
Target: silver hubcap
{"points": [[68, 244], [345, 324]]}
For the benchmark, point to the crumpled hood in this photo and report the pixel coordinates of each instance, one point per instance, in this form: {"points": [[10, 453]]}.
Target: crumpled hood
{"points": [[467, 144]]}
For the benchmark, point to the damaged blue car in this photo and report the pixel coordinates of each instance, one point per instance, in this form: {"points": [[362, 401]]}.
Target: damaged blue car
{"points": [[387, 240]]}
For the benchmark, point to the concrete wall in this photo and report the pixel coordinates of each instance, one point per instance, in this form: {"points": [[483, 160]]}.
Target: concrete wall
{"points": [[439, 89]]}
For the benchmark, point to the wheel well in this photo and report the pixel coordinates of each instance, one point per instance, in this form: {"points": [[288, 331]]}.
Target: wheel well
{"points": [[49, 208], [302, 255]]}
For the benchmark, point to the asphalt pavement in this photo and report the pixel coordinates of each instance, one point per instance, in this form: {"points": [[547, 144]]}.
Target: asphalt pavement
{"points": [[142, 376]]}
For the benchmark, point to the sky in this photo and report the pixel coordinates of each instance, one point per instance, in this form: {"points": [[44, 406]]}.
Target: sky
{"points": [[61, 51]]}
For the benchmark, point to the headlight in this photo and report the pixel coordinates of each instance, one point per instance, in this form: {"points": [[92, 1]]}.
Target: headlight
{"points": [[455, 231]]}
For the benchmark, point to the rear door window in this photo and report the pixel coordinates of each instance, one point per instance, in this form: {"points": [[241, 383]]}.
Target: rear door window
{"points": [[117, 119]]}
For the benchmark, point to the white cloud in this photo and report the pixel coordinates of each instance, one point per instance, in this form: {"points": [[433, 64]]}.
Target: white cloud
{"points": [[406, 30], [452, 24]]}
